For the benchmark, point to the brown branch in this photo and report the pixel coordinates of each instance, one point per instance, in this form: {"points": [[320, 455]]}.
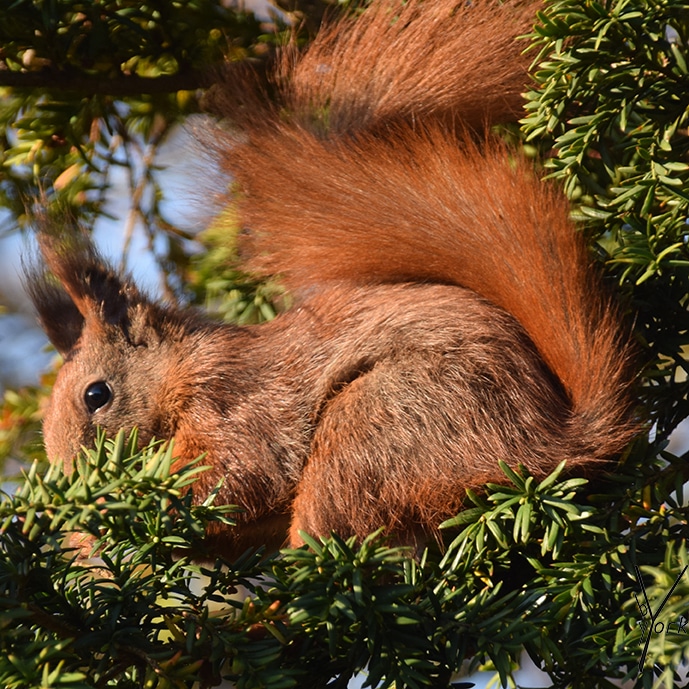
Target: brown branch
{"points": [[53, 623], [121, 85]]}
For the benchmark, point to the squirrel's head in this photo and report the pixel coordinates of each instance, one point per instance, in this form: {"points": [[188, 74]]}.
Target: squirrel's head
{"points": [[116, 345]]}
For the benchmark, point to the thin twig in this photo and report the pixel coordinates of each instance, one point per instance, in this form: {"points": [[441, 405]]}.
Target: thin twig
{"points": [[124, 85]]}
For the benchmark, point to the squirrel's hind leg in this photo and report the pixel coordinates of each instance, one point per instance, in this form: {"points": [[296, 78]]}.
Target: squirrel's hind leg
{"points": [[397, 446], [388, 453]]}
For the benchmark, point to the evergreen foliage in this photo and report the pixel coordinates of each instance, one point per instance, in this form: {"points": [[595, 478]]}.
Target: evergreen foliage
{"points": [[611, 95], [550, 567], [98, 587]]}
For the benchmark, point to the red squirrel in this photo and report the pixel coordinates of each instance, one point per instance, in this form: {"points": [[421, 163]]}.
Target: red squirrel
{"points": [[447, 313]]}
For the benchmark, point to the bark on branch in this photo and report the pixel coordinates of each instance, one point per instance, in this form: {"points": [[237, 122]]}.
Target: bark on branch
{"points": [[122, 85]]}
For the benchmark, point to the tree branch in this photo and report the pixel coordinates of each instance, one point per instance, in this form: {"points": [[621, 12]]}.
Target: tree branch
{"points": [[121, 85]]}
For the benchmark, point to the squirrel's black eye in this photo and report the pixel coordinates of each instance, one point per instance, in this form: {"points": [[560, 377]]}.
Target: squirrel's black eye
{"points": [[97, 395]]}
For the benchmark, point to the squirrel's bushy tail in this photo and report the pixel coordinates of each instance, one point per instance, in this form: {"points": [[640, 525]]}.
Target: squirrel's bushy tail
{"points": [[402, 62], [369, 172], [396, 62]]}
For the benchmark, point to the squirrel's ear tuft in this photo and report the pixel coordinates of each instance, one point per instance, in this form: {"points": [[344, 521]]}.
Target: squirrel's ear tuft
{"points": [[71, 286], [58, 316]]}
